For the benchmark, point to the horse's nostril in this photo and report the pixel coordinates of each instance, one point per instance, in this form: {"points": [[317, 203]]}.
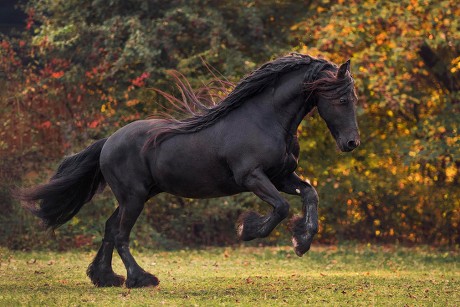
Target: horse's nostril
{"points": [[352, 144]]}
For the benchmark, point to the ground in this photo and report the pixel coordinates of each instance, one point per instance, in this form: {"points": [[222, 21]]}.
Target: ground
{"points": [[243, 276]]}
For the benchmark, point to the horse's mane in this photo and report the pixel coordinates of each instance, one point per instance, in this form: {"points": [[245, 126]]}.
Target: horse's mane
{"points": [[203, 110]]}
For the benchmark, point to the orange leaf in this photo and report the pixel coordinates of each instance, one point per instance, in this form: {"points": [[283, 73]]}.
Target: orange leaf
{"points": [[57, 74], [132, 102]]}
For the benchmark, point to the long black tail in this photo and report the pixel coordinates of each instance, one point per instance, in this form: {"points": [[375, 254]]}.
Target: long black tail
{"points": [[76, 181]]}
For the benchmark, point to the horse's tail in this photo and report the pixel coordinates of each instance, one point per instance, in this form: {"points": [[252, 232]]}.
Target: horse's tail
{"points": [[76, 181]]}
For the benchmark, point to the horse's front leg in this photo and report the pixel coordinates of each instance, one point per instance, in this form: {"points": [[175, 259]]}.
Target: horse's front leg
{"points": [[305, 226], [252, 225]]}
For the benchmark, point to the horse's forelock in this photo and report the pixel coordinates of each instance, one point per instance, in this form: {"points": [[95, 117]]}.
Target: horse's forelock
{"points": [[326, 83]]}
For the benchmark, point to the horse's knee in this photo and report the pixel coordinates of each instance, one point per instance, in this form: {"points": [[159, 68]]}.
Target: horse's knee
{"points": [[283, 210], [311, 196]]}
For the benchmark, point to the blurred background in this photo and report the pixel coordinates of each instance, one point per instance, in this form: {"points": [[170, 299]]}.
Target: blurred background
{"points": [[73, 71]]}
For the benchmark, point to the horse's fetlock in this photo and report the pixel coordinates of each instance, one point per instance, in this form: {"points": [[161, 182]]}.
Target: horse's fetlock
{"points": [[312, 228]]}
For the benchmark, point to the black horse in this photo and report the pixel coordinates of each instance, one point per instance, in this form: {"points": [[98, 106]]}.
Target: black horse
{"points": [[247, 142]]}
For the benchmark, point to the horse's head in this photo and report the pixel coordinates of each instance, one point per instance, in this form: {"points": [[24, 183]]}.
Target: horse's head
{"points": [[336, 102]]}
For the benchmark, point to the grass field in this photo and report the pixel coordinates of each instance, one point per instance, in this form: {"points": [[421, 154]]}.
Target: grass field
{"points": [[244, 276]]}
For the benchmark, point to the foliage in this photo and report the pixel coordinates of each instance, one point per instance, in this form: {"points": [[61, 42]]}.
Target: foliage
{"points": [[347, 275], [82, 69]]}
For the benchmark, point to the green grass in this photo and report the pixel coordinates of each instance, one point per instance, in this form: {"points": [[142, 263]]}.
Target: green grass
{"points": [[245, 276]]}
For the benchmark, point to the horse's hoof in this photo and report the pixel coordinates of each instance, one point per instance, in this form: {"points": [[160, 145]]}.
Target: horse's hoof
{"points": [[300, 247], [142, 280], [105, 278], [112, 281], [248, 225], [301, 236]]}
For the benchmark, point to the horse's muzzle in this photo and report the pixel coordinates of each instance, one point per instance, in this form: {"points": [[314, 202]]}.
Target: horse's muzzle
{"points": [[350, 145]]}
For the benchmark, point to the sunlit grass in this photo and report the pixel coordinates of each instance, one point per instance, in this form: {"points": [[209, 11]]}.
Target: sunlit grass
{"points": [[346, 275]]}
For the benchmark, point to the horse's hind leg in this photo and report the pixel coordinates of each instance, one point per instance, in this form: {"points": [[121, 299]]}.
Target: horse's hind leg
{"points": [[129, 212], [100, 270]]}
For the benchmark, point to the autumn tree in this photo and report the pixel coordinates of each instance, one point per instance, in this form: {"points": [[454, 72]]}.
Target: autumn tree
{"points": [[403, 181]]}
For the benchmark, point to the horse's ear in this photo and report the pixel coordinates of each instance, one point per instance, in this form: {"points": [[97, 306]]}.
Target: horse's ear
{"points": [[343, 70]]}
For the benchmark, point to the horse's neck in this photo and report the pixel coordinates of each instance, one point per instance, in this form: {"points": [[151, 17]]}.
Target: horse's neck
{"points": [[290, 102]]}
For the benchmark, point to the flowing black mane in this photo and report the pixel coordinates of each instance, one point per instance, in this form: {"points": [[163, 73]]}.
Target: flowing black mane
{"points": [[320, 77]]}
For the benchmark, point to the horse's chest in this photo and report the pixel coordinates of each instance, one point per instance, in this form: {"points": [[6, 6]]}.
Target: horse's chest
{"points": [[288, 162]]}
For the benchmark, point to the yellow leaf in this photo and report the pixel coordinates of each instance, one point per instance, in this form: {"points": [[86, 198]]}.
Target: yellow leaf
{"points": [[295, 27], [451, 171]]}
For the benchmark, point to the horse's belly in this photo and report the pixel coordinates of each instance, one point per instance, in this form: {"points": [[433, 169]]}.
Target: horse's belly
{"points": [[197, 184], [193, 173]]}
